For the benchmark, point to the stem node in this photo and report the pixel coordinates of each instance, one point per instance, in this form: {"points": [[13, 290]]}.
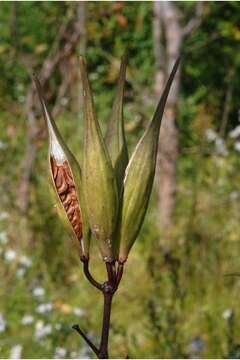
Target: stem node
{"points": [[108, 288]]}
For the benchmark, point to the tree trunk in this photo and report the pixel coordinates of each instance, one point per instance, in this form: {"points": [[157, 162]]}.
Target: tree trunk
{"points": [[168, 37], [75, 84], [166, 27]]}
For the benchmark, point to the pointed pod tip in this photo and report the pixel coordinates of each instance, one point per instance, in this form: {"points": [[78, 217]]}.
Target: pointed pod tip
{"points": [[34, 78], [37, 83], [39, 90], [177, 61]]}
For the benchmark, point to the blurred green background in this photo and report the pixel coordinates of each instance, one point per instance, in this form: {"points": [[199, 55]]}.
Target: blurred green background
{"points": [[180, 290]]}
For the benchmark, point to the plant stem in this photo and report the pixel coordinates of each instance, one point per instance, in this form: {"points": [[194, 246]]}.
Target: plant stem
{"points": [[108, 289], [90, 344], [103, 352], [119, 273], [88, 274]]}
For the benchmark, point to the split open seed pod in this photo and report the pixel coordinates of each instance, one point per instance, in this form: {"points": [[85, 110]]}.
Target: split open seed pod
{"points": [[66, 179], [139, 177], [115, 136], [99, 179]]}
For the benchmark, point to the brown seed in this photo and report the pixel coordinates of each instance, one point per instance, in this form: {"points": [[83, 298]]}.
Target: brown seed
{"points": [[60, 178], [78, 230], [67, 200], [73, 196], [74, 220], [67, 192], [66, 207], [62, 188], [71, 210], [54, 168], [76, 227], [67, 175], [63, 196], [70, 217], [55, 172]]}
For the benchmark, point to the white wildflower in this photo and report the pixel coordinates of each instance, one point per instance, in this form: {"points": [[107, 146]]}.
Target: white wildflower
{"points": [[3, 238], [20, 87], [3, 323], [10, 255], [25, 261], [234, 195], [78, 312], [83, 353], [21, 99], [237, 146], [60, 353], [227, 314], [235, 132], [220, 146], [16, 352], [20, 272], [211, 135], [38, 292], [58, 326], [44, 308], [42, 330], [3, 145], [3, 215], [27, 320], [64, 101]]}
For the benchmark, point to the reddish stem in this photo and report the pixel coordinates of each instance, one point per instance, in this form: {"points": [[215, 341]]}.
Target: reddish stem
{"points": [[108, 289], [103, 351], [88, 274]]}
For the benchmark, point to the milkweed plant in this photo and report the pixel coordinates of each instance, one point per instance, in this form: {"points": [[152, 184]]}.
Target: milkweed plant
{"points": [[105, 198]]}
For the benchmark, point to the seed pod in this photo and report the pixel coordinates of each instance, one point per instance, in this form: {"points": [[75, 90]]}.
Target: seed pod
{"points": [[98, 176], [115, 136], [65, 174], [139, 177]]}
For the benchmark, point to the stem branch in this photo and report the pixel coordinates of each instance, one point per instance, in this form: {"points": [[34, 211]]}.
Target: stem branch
{"points": [[88, 274], [88, 341], [108, 289], [119, 273]]}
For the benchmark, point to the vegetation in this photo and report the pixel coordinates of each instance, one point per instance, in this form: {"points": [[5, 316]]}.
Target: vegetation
{"points": [[179, 295]]}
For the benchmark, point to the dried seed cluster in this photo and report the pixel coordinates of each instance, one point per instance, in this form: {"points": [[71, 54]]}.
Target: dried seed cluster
{"points": [[67, 192]]}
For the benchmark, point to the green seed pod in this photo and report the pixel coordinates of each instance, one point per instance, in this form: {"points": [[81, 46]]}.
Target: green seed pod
{"points": [[65, 175], [98, 176], [115, 136], [139, 177]]}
